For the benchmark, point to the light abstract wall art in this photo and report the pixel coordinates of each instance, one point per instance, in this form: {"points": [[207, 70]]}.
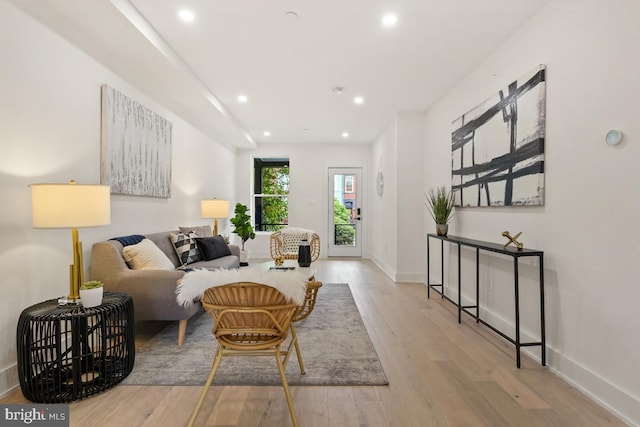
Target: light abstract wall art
{"points": [[497, 148], [135, 147]]}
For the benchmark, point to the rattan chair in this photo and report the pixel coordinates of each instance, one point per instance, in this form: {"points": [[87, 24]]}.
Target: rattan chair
{"points": [[284, 243], [249, 319], [302, 312]]}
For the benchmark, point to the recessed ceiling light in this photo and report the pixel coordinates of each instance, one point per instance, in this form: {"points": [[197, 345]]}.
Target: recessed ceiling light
{"points": [[390, 20], [186, 15], [358, 100], [345, 134], [291, 14], [266, 133], [242, 98]]}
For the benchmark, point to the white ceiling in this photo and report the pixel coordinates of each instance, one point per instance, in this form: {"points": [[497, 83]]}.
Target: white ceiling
{"points": [[288, 66]]}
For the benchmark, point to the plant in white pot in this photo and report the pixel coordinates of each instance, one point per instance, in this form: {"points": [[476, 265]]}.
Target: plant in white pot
{"points": [[440, 205], [243, 228], [91, 293]]}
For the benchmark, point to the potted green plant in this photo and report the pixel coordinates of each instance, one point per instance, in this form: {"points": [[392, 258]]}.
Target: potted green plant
{"points": [[440, 203], [242, 223], [91, 293]]}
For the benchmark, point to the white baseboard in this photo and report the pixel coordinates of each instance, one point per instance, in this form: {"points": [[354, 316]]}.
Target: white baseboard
{"points": [[8, 379], [390, 272], [410, 277], [619, 402]]}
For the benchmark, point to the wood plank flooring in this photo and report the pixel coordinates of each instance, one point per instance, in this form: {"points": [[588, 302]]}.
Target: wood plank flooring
{"points": [[440, 374]]}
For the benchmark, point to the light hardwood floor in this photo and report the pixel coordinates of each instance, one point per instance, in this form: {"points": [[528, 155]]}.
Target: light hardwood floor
{"points": [[440, 374]]}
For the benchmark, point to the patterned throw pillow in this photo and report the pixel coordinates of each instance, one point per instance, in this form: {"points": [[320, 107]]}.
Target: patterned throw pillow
{"points": [[199, 230], [185, 247]]}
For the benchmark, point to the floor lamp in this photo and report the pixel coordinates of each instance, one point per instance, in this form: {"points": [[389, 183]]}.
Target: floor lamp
{"points": [[214, 208], [71, 206]]}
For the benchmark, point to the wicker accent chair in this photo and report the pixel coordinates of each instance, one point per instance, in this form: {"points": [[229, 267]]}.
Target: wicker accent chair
{"points": [[302, 312], [284, 243], [249, 319]]}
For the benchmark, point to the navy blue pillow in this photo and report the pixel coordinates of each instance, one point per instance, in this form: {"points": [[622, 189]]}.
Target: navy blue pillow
{"points": [[133, 239], [212, 247]]}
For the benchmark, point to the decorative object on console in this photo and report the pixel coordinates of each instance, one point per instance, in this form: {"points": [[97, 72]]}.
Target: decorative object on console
{"points": [[497, 148], [135, 147], [71, 206], [216, 209], [91, 293], [243, 228], [512, 239], [440, 203]]}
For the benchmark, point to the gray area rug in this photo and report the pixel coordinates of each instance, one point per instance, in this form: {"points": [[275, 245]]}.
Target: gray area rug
{"points": [[335, 347]]}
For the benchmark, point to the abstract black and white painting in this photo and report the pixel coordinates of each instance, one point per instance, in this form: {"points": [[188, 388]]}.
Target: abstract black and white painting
{"points": [[135, 147], [497, 148]]}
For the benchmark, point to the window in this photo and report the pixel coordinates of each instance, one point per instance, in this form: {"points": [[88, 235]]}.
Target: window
{"points": [[271, 193]]}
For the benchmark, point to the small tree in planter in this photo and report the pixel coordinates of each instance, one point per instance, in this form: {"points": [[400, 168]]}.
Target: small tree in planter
{"points": [[242, 223]]}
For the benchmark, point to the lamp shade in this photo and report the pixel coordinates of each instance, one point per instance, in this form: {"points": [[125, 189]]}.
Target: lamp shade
{"points": [[214, 208], [70, 205]]}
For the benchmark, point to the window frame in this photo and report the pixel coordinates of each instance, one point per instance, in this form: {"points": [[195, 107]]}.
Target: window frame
{"points": [[259, 164]]}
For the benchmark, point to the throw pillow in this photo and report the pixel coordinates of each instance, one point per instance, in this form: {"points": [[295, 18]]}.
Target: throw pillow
{"points": [[199, 230], [185, 247], [146, 256], [212, 247]]}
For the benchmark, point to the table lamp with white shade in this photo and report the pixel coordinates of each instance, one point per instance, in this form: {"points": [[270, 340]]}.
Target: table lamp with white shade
{"points": [[71, 206], [216, 209]]}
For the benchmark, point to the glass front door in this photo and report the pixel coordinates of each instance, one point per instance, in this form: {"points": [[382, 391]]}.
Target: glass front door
{"points": [[345, 212]]}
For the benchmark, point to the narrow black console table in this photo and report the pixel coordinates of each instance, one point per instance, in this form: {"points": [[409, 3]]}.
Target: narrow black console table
{"points": [[70, 352], [497, 248]]}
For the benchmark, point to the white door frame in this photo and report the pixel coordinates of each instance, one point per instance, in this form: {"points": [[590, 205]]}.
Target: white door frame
{"points": [[343, 250]]}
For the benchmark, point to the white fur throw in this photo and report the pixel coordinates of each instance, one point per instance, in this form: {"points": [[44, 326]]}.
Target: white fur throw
{"points": [[292, 284]]}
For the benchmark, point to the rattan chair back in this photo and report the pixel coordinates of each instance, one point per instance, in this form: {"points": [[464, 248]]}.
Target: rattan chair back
{"points": [[278, 248]]}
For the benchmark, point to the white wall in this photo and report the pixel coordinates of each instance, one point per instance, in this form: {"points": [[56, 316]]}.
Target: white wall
{"points": [[308, 197], [588, 227], [411, 246], [50, 132], [398, 243], [384, 211]]}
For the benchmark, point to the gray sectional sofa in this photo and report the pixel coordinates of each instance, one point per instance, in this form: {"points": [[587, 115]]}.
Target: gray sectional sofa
{"points": [[152, 291]]}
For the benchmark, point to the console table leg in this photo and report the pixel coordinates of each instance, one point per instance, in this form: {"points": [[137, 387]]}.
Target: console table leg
{"points": [[459, 288], [428, 279], [442, 266], [477, 285], [543, 348], [517, 298]]}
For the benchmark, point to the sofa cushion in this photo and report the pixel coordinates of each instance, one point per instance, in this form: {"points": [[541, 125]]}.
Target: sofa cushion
{"points": [[199, 230], [186, 247], [212, 247], [146, 256]]}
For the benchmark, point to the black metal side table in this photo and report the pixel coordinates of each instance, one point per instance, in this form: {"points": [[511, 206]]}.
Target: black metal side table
{"points": [[66, 353]]}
